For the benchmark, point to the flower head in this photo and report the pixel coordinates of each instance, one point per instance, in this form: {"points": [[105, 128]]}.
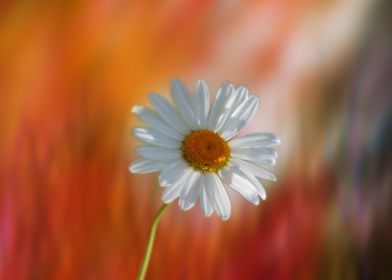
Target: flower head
{"points": [[191, 144]]}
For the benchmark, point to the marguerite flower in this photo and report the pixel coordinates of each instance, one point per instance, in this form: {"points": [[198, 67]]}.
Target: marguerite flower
{"points": [[193, 147]]}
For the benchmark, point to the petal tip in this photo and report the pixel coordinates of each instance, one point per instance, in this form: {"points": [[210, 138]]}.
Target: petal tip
{"points": [[175, 83], [201, 83], [134, 131], [185, 206], [174, 80], [132, 168], [152, 95], [136, 109], [225, 217], [162, 182]]}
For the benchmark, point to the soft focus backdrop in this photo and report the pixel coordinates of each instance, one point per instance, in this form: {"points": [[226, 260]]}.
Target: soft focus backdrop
{"points": [[70, 71]]}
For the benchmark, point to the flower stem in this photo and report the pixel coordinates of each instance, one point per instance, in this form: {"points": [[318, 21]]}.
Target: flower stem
{"points": [[150, 242]]}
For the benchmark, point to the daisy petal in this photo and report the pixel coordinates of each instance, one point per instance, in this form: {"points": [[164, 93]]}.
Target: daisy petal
{"points": [[172, 173], [158, 153], [153, 120], [262, 156], [202, 104], [205, 203], [253, 169], [260, 160], [263, 162], [242, 92], [142, 166], [255, 140], [172, 192], [236, 99], [183, 100], [168, 113], [240, 184], [217, 195], [251, 178], [240, 117], [190, 192], [150, 136], [247, 108], [222, 98]]}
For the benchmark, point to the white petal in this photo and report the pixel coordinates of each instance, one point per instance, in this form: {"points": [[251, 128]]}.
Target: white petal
{"points": [[263, 152], [172, 192], [205, 203], [183, 101], [172, 173], [202, 104], [252, 158], [246, 108], [190, 192], [217, 195], [236, 99], [240, 117], [153, 120], [226, 110], [253, 169], [262, 156], [150, 136], [264, 162], [255, 140], [218, 107], [146, 166], [158, 153], [242, 92], [256, 184], [241, 184], [168, 113]]}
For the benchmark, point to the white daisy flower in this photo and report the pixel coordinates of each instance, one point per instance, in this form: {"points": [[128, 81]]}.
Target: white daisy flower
{"points": [[191, 144]]}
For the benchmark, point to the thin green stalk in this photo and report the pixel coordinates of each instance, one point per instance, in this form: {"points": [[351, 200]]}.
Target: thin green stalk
{"points": [[150, 242]]}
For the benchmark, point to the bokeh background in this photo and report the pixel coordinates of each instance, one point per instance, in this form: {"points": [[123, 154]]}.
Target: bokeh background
{"points": [[70, 71]]}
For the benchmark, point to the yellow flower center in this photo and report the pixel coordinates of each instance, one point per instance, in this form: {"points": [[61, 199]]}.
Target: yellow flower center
{"points": [[205, 150]]}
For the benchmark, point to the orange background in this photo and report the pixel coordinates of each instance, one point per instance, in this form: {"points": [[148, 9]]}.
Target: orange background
{"points": [[70, 71]]}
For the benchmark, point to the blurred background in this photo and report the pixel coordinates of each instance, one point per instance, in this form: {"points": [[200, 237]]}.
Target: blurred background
{"points": [[70, 71]]}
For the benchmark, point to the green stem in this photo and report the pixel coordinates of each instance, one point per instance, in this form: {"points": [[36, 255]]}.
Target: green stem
{"points": [[150, 242]]}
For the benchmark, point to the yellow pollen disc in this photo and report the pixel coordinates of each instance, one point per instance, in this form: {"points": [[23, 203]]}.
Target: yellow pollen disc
{"points": [[205, 150]]}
